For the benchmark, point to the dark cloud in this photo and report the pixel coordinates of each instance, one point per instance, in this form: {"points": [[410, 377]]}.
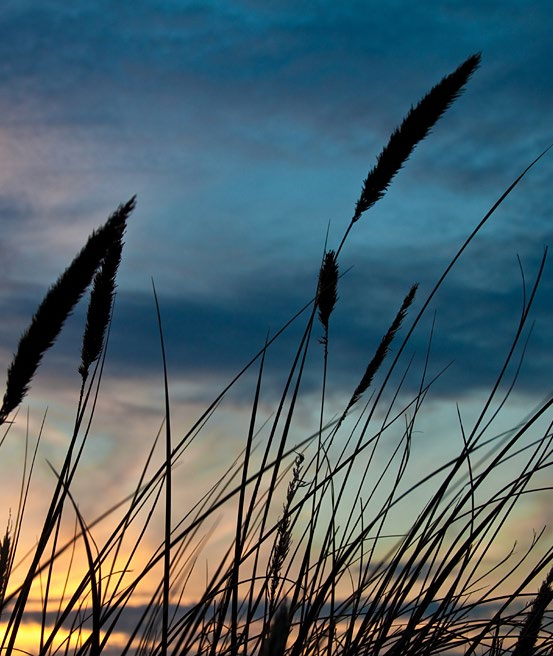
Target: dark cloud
{"points": [[211, 337], [244, 130]]}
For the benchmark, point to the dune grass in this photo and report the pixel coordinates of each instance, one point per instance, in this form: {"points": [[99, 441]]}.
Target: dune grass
{"points": [[316, 564]]}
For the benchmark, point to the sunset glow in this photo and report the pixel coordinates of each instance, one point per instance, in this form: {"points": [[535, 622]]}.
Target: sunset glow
{"points": [[369, 472]]}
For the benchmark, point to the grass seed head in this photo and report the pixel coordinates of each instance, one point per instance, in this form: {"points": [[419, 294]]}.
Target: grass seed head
{"points": [[414, 128], [57, 305], [327, 288]]}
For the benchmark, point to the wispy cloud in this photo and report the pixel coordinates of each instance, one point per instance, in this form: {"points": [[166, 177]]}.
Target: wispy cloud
{"points": [[244, 128]]}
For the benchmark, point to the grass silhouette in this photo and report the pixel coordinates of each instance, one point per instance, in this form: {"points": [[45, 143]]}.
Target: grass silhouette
{"points": [[314, 566]]}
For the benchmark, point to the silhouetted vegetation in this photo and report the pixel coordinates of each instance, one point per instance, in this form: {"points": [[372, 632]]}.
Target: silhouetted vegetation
{"points": [[316, 565]]}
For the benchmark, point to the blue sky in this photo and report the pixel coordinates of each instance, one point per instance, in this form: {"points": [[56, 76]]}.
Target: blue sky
{"points": [[244, 128]]}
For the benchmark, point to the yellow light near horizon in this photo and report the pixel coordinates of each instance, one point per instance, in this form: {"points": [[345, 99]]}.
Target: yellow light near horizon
{"points": [[29, 636]]}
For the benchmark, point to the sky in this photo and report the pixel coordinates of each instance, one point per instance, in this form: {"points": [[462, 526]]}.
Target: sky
{"points": [[245, 129]]}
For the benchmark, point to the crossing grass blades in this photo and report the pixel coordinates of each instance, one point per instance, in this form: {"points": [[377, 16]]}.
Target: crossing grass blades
{"points": [[316, 564]]}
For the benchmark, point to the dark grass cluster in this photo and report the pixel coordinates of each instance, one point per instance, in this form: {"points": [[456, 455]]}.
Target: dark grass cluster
{"points": [[57, 305], [337, 547]]}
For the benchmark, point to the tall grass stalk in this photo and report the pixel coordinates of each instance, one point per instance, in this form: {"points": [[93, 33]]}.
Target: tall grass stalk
{"points": [[339, 545]]}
